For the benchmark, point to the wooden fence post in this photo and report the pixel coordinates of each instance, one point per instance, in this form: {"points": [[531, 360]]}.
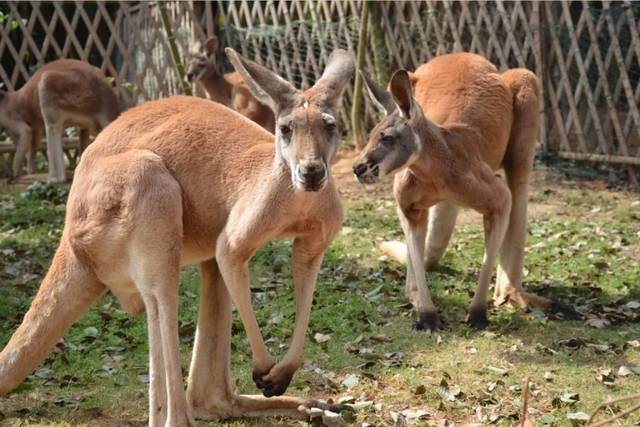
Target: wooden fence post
{"points": [[357, 119], [541, 72]]}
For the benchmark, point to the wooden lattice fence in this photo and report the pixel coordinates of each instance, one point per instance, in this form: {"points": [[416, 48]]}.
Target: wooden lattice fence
{"points": [[587, 54], [125, 40]]}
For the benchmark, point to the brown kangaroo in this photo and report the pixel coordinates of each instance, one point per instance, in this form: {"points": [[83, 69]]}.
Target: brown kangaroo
{"points": [[186, 180], [444, 146], [228, 89], [61, 92]]}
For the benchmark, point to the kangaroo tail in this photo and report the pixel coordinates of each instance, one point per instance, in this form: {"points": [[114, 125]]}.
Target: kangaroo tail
{"points": [[66, 293], [394, 250]]}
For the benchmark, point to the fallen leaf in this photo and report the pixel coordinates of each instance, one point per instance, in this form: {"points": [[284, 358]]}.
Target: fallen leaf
{"points": [[361, 406], [411, 414], [44, 373], [634, 305], [321, 338], [605, 376], [380, 338], [421, 389], [350, 381], [346, 399], [500, 371], [624, 371], [331, 419], [448, 393], [393, 358], [577, 417], [570, 397], [598, 323]]}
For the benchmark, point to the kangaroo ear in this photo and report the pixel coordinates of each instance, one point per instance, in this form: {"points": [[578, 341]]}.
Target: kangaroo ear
{"points": [[211, 46], [268, 87], [401, 90], [337, 74], [380, 97]]}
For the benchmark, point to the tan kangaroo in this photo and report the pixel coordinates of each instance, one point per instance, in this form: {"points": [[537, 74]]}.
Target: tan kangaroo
{"points": [[444, 146], [186, 180], [228, 89], [60, 93]]}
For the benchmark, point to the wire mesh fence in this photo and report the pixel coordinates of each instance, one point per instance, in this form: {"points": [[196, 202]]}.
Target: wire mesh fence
{"points": [[587, 54]]}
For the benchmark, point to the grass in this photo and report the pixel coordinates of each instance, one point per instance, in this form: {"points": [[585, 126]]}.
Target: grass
{"points": [[582, 249]]}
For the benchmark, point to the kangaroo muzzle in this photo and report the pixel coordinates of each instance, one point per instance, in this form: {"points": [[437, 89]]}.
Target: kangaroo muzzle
{"points": [[311, 176], [366, 172]]}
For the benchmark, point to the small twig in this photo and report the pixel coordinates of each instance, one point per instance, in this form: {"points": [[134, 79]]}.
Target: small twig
{"points": [[616, 417], [525, 402], [613, 412]]}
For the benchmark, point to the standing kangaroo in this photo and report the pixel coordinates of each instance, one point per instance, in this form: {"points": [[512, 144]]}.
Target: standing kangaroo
{"points": [[444, 146], [61, 92], [228, 89], [182, 181]]}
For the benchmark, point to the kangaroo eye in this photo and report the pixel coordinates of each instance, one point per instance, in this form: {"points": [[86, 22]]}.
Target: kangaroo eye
{"points": [[386, 139], [285, 130], [331, 127]]}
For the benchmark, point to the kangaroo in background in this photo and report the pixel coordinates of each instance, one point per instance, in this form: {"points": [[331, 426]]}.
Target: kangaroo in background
{"points": [[181, 181], [228, 89], [444, 146], [60, 93]]}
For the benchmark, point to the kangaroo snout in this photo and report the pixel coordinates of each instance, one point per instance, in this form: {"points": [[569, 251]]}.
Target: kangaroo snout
{"points": [[366, 172], [311, 175]]}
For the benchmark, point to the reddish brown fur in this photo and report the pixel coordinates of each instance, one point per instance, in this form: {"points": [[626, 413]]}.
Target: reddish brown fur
{"points": [[181, 181], [61, 91], [469, 121]]}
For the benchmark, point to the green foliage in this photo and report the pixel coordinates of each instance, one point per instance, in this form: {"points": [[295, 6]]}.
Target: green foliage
{"points": [[13, 24]]}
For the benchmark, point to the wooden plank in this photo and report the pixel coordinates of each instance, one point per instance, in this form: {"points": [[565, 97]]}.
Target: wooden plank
{"points": [[538, 48], [625, 160]]}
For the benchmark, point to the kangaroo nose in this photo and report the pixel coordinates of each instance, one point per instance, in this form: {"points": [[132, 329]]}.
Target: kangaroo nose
{"points": [[313, 172], [312, 175], [359, 169]]}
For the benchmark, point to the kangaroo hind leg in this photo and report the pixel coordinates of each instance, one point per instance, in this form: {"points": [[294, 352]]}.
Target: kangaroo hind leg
{"points": [[155, 247], [442, 220], [518, 165]]}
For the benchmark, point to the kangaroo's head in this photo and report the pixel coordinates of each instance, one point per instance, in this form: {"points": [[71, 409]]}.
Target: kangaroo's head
{"points": [[202, 59], [307, 135], [394, 142]]}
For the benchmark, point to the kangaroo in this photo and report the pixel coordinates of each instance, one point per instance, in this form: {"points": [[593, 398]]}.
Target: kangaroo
{"points": [[444, 146], [185, 180], [61, 92], [228, 89]]}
